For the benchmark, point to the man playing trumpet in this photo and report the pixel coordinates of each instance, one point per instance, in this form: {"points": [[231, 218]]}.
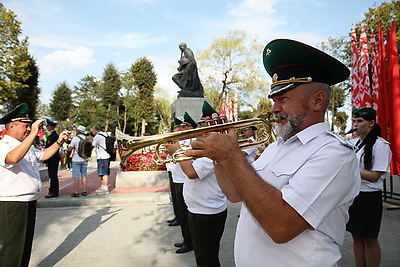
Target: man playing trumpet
{"points": [[206, 203], [297, 194]]}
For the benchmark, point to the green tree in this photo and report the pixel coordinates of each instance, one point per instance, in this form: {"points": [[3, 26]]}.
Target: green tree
{"points": [[340, 94], [384, 14], [29, 91], [43, 110], [232, 65], [162, 110], [109, 93], [144, 79], [88, 111], [13, 65], [61, 103], [128, 112]]}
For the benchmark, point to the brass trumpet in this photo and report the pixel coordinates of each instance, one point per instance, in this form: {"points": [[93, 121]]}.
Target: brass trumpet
{"points": [[127, 145]]}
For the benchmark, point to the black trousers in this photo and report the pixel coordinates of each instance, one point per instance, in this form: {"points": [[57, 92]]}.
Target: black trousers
{"points": [[17, 226], [182, 214], [52, 170], [206, 232], [173, 194]]}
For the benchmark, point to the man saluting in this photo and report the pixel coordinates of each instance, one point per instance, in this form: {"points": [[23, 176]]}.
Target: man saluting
{"points": [[20, 184]]}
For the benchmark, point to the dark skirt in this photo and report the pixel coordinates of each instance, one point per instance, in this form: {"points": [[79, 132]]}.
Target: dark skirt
{"points": [[365, 215]]}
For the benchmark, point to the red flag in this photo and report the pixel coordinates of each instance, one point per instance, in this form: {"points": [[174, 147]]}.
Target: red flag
{"points": [[235, 109], [354, 69], [394, 99], [229, 105], [364, 93], [375, 69], [382, 101]]}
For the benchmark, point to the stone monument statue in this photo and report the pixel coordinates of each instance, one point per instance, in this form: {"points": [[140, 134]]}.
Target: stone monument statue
{"points": [[187, 77]]}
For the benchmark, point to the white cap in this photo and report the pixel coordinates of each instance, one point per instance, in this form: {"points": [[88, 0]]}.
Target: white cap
{"points": [[81, 129]]}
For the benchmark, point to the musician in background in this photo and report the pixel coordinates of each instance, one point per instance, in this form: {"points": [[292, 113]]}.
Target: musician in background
{"points": [[296, 195], [251, 152], [179, 178], [173, 222], [373, 153], [207, 209]]}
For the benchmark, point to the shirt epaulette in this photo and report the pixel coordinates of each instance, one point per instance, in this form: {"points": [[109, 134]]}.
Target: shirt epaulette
{"points": [[384, 140], [342, 140]]}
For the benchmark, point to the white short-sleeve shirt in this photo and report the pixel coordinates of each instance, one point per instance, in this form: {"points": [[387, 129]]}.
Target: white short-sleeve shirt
{"points": [[203, 195], [99, 142], [20, 181], [381, 155], [319, 177], [178, 176], [251, 152]]}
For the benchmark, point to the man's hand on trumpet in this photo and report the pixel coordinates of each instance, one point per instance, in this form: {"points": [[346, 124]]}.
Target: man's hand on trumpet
{"points": [[216, 145], [171, 148]]}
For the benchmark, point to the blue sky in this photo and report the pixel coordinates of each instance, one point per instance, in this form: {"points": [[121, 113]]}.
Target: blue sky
{"points": [[74, 38]]}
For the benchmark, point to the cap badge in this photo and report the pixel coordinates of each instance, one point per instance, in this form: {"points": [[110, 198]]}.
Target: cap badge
{"points": [[274, 78]]}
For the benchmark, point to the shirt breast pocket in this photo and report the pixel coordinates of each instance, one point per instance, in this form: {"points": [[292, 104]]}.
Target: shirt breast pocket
{"points": [[283, 171]]}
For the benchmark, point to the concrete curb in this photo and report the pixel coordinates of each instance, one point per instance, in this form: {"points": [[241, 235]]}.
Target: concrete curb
{"points": [[105, 200]]}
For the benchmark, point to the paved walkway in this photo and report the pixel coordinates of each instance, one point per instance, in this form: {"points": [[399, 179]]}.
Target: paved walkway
{"points": [[128, 228]]}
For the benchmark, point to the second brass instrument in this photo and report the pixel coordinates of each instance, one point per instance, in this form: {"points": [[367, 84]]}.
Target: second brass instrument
{"points": [[127, 145]]}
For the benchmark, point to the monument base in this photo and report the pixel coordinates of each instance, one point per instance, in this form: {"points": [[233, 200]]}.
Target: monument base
{"points": [[191, 105]]}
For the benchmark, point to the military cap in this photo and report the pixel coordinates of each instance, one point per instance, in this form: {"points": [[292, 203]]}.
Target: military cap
{"points": [[51, 123], [365, 113], [291, 63], [207, 110], [177, 122], [187, 120], [20, 113]]}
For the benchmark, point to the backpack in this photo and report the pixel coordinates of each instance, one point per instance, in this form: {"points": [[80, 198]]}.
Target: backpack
{"points": [[110, 146], [85, 148]]}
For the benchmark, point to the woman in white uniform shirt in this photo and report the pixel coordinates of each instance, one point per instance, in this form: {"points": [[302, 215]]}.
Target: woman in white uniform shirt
{"points": [[374, 157]]}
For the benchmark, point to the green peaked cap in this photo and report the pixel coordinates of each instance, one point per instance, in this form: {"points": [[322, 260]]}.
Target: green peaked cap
{"points": [[177, 121], [365, 113], [207, 110], [291, 63], [187, 120], [19, 113]]}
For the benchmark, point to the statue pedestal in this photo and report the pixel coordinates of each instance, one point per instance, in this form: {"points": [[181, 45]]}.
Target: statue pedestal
{"points": [[191, 105]]}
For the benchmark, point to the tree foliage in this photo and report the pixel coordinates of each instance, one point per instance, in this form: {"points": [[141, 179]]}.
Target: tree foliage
{"points": [[61, 103], [109, 94], [88, 111], [384, 14], [232, 65], [144, 80], [340, 93], [29, 91], [162, 110], [13, 62]]}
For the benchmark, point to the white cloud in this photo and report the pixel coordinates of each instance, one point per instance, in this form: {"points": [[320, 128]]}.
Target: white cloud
{"points": [[256, 17], [61, 60]]}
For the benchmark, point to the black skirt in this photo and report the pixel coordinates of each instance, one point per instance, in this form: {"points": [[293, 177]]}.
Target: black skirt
{"points": [[366, 215]]}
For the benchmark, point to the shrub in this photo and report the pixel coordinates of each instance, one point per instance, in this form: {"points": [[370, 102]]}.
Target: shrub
{"points": [[142, 162]]}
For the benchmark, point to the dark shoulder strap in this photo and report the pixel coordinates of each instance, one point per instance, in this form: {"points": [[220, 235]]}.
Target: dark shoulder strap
{"points": [[103, 135]]}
